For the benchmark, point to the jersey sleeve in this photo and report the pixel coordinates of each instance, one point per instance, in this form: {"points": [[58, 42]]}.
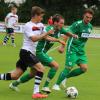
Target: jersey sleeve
{"points": [[8, 15], [73, 28], [48, 28], [63, 31]]}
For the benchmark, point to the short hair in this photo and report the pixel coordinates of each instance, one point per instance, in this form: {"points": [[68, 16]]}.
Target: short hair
{"points": [[37, 11], [56, 18], [89, 10], [12, 6]]}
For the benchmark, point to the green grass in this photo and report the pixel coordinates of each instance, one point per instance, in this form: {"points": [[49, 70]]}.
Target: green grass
{"points": [[88, 84]]}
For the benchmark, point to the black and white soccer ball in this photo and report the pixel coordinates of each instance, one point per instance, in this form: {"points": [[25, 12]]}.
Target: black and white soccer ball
{"points": [[72, 92]]}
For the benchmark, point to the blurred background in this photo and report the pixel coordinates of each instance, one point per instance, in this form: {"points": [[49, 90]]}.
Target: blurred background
{"points": [[71, 9]]}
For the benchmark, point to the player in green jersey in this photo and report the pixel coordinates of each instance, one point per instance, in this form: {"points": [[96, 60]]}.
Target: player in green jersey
{"points": [[75, 53], [41, 52]]}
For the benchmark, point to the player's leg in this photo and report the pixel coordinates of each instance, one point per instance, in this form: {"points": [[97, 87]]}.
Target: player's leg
{"points": [[71, 59], [31, 60], [54, 67], [13, 75], [6, 38], [38, 78], [24, 78], [82, 63], [13, 38]]}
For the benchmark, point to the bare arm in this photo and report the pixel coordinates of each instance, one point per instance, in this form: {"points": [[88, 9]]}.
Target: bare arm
{"points": [[41, 36], [6, 20], [71, 35], [62, 47], [49, 38]]}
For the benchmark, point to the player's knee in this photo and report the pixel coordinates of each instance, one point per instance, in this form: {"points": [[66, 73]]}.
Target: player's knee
{"points": [[84, 69], [15, 77], [56, 66], [32, 75], [39, 67]]}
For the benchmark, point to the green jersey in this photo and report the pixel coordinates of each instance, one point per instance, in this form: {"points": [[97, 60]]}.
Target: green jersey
{"points": [[44, 45], [78, 28]]}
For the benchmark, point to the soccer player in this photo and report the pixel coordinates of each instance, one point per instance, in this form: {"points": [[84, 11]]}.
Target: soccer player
{"points": [[33, 31], [11, 21], [41, 52], [75, 53]]}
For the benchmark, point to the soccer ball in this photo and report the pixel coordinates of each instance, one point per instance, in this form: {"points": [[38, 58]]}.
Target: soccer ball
{"points": [[72, 92]]}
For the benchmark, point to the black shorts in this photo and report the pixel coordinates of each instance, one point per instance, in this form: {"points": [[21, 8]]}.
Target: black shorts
{"points": [[9, 30], [27, 59]]}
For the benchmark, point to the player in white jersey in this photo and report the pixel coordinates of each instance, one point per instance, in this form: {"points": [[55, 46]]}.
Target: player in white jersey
{"points": [[33, 32], [11, 21]]}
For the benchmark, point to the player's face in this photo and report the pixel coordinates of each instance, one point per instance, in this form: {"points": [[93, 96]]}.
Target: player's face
{"points": [[87, 17], [14, 10], [60, 24], [39, 17]]}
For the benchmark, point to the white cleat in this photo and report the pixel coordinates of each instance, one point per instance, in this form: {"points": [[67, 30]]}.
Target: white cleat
{"points": [[4, 44], [63, 83], [13, 44], [56, 87], [11, 86], [46, 90]]}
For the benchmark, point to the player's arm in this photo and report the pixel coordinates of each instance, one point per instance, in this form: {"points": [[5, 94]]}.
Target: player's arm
{"points": [[69, 34], [6, 20], [35, 38], [16, 23], [62, 47], [49, 38]]}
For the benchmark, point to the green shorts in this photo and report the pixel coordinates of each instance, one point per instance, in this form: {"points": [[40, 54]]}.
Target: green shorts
{"points": [[73, 58], [44, 58]]}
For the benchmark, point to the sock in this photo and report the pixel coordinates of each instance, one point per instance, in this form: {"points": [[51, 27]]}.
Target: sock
{"points": [[12, 39], [6, 38], [50, 76], [75, 72], [26, 77], [62, 76], [38, 78], [6, 76]]}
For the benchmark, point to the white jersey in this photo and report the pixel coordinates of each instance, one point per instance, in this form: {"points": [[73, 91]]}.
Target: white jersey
{"points": [[11, 20], [31, 29]]}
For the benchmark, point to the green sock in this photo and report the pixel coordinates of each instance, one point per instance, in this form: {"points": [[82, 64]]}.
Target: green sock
{"points": [[50, 76], [62, 76], [26, 77], [75, 72]]}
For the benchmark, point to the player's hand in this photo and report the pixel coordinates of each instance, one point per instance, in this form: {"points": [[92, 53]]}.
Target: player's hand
{"points": [[51, 32], [61, 49], [75, 36], [62, 42]]}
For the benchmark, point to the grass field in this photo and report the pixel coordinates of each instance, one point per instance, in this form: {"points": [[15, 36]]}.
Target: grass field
{"points": [[88, 84]]}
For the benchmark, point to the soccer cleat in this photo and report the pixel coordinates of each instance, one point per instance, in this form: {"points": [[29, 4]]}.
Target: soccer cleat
{"points": [[63, 83], [39, 95], [56, 87], [46, 90], [13, 44], [4, 44], [11, 86]]}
